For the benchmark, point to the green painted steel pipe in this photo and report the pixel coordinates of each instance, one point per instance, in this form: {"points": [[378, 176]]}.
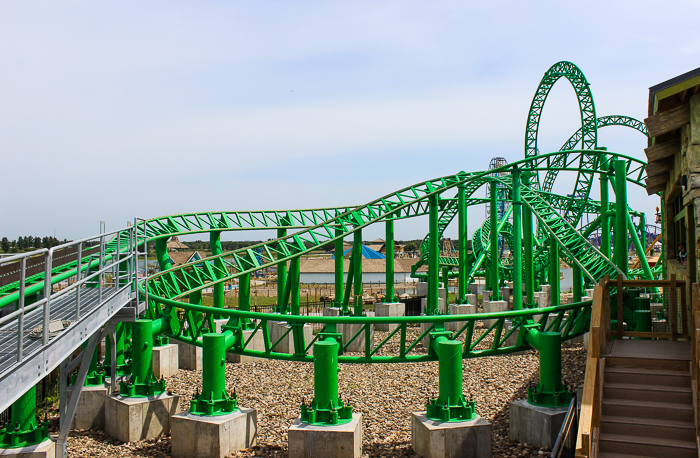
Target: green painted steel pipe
{"points": [[219, 268], [517, 248], [357, 267], [528, 245], [141, 350], [339, 268], [23, 413], [641, 253], [433, 257], [621, 241], [214, 348], [554, 270], [348, 286], [450, 371], [550, 360], [162, 254], [578, 283], [605, 222], [493, 235], [295, 284], [326, 373], [244, 292], [281, 274], [389, 252], [463, 235]]}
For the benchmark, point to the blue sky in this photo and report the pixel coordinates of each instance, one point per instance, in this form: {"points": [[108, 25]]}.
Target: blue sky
{"points": [[115, 110]]}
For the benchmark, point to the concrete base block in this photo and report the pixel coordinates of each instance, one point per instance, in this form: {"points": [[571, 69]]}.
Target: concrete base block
{"points": [[476, 288], [541, 299], [388, 309], [257, 343], [286, 345], [472, 299], [547, 290], [534, 425], [493, 307], [505, 294], [189, 357], [165, 360], [422, 288], [441, 305], [219, 324], [459, 439], [196, 436], [46, 449], [332, 311], [486, 296], [339, 441], [462, 309], [349, 331], [135, 419], [90, 411], [588, 292]]}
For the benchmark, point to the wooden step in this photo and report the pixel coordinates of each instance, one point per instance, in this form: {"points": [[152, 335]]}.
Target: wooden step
{"points": [[661, 393], [648, 363], [642, 376], [651, 427], [647, 446], [647, 409], [621, 455]]}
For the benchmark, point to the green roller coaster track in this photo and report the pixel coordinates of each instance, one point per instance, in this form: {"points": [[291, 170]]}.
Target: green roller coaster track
{"points": [[545, 227]]}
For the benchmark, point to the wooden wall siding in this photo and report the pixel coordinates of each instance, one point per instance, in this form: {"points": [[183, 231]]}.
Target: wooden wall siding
{"points": [[659, 151], [668, 121]]}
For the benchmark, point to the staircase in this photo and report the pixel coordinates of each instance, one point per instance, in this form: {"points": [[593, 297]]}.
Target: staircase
{"points": [[647, 404]]}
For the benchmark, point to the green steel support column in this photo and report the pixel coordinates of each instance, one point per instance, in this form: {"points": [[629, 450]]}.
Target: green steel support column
{"points": [[517, 249], [295, 285], [554, 270], [23, 429], [450, 404], [639, 248], [142, 381], [605, 222], [120, 342], [339, 268], [96, 373], [162, 254], [578, 283], [433, 257], [281, 275], [326, 408], [446, 284], [390, 296], [643, 229], [348, 287], [493, 235], [463, 236], [529, 269], [219, 269], [244, 301], [357, 266], [621, 240], [550, 392], [214, 400]]}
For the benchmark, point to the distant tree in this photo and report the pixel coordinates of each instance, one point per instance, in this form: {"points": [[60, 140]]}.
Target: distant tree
{"points": [[46, 242], [29, 242], [20, 243], [5, 244], [37, 242]]}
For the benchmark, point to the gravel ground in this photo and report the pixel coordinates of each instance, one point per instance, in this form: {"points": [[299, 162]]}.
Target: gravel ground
{"points": [[384, 393]]}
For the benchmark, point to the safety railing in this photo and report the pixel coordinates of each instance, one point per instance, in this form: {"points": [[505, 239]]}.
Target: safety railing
{"points": [[592, 398], [565, 445], [694, 363], [99, 275], [648, 308]]}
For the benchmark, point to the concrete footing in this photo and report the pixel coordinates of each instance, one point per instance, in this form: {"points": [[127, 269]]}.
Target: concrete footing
{"points": [[286, 345], [486, 296], [135, 419], [338, 441], [197, 436], [535, 425], [441, 305], [332, 311], [165, 360], [472, 299], [46, 449], [349, 331], [189, 357], [461, 309], [456, 439], [90, 411], [493, 307], [387, 309], [219, 323], [422, 290], [257, 343]]}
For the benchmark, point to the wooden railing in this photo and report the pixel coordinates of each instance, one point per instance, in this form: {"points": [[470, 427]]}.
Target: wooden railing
{"points": [[694, 370], [591, 402], [670, 291]]}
